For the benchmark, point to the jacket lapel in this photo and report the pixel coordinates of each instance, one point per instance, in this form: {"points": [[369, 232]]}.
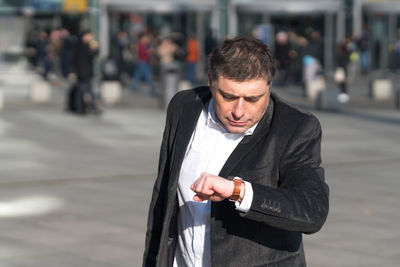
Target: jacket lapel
{"points": [[190, 114]]}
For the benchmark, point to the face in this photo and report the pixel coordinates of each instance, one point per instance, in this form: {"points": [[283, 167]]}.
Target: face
{"points": [[87, 37], [239, 105]]}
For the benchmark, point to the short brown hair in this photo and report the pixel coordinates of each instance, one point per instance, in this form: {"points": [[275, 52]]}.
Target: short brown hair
{"points": [[241, 59]]}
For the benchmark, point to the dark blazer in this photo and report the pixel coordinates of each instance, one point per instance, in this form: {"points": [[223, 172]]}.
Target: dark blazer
{"points": [[83, 61], [281, 160]]}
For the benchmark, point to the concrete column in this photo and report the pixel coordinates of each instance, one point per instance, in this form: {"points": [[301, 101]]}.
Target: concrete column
{"points": [[223, 18], [214, 21], [200, 39], [357, 18], [103, 33], [328, 43], [391, 37], [176, 21], [188, 25], [232, 20], [392, 31], [94, 18], [266, 18], [340, 26]]}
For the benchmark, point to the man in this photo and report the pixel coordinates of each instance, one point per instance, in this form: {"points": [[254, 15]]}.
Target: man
{"points": [[235, 127], [191, 59], [143, 68], [85, 53]]}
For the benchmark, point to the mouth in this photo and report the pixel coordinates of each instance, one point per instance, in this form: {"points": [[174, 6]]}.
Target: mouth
{"points": [[237, 123]]}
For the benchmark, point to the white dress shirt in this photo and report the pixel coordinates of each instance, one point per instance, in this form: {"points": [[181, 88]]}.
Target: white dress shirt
{"points": [[208, 150]]}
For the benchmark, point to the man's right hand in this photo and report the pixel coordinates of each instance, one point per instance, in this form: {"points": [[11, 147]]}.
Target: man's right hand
{"points": [[212, 187]]}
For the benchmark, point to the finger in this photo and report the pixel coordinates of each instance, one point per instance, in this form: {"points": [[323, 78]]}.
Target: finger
{"points": [[207, 186], [199, 198], [197, 181], [198, 184], [195, 185]]}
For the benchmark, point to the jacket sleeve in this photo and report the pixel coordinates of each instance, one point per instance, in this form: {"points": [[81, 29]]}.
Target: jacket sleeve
{"points": [[300, 201], [159, 195]]}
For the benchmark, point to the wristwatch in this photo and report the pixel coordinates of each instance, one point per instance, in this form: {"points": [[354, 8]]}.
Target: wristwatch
{"points": [[236, 189]]}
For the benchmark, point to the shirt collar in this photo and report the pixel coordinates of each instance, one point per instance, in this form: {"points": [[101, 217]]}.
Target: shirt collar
{"points": [[213, 121]]}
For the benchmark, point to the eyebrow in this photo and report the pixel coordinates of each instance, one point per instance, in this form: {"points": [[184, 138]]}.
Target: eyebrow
{"points": [[226, 94]]}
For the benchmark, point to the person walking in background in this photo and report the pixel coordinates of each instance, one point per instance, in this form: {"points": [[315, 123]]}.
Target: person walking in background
{"points": [[282, 57], [296, 53], [365, 53], [314, 47], [86, 50], [32, 47], [44, 54], [166, 51], [66, 51], [191, 59], [341, 72], [143, 68], [239, 177], [119, 44]]}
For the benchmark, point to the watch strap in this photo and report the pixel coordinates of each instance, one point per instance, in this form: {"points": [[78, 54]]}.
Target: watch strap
{"points": [[236, 189]]}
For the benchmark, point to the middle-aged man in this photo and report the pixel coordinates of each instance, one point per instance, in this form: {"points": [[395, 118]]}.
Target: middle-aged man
{"points": [[201, 216]]}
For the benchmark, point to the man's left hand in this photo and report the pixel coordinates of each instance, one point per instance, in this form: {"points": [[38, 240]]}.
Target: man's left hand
{"points": [[211, 187]]}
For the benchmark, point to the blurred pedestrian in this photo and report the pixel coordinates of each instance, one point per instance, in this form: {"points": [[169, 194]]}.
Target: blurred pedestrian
{"points": [[119, 45], [54, 52], [311, 69], [68, 43], [143, 68], [191, 59], [341, 72], [31, 46], [364, 48], [166, 51], [296, 56], [282, 57], [85, 53], [394, 52], [314, 47], [239, 177], [44, 54]]}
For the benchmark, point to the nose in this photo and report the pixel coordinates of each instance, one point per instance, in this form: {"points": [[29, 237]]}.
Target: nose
{"points": [[238, 110]]}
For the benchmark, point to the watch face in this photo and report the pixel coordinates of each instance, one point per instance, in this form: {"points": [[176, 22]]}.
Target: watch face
{"points": [[234, 178]]}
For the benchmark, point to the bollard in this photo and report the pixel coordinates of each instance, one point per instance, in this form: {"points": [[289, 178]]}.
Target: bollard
{"points": [[40, 92], [170, 79], [397, 98], [381, 89], [111, 92]]}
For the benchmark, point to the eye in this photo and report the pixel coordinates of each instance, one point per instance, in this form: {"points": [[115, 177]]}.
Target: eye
{"points": [[252, 99], [229, 97]]}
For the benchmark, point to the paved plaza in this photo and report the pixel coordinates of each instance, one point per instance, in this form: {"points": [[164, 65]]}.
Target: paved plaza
{"points": [[74, 190]]}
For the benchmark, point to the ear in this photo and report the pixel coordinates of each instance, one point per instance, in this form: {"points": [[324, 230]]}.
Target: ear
{"points": [[209, 80]]}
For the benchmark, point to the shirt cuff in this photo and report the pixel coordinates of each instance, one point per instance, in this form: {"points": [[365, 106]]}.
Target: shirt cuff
{"points": [[245, 205]]}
